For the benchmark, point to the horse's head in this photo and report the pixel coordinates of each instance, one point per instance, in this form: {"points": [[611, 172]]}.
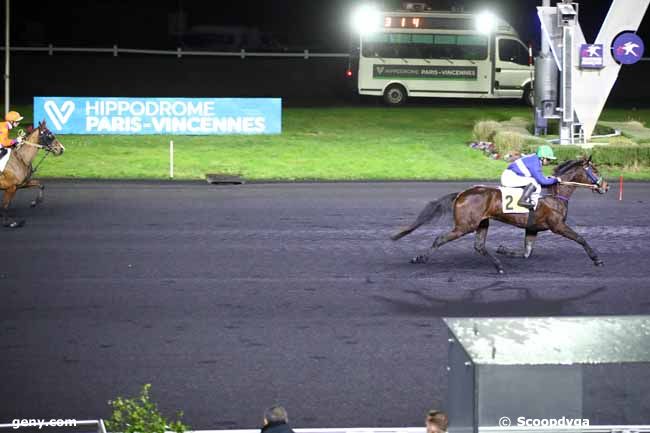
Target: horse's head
{"points": [[582, 171], [44, 138]]}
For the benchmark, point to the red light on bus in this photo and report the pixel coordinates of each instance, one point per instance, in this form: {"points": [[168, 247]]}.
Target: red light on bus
{"points": [[348, 73]]}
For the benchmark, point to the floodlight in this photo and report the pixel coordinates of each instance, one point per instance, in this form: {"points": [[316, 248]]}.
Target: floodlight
{"points": [[486, 22], [366, 19]]}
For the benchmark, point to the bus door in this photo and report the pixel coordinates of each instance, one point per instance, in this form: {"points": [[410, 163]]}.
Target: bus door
{"points": [[511, 68]]}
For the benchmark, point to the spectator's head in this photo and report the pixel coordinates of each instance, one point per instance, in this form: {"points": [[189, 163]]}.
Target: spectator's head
{"points": [[275, 415], [437, 421]]}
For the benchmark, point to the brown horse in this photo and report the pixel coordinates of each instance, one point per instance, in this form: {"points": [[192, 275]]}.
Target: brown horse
{"points": [[19, 170], [474, 207]]}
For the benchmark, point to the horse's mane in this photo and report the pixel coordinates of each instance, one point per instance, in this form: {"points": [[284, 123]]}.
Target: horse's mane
{"points": [[566, 166]]}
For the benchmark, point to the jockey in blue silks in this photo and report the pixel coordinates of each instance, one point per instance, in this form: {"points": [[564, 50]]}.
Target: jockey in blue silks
{"points": [[527, 172]]}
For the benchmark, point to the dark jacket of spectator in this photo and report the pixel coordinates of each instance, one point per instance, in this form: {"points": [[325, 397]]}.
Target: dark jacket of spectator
{"points": [[277, 427]]}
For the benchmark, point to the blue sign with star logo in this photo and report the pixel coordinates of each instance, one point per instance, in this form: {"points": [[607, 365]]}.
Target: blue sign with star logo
{"points": [[627, 48], [591, 56]]}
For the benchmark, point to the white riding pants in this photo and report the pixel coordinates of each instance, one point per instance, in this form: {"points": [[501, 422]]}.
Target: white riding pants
{"points": [[512, 179]]}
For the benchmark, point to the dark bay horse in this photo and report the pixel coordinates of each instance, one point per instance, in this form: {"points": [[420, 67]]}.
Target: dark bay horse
{"points": [[474, 207], [19, 170]]}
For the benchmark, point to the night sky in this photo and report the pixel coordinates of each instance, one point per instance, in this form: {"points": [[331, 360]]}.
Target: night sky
{"points": [[291, 25]]}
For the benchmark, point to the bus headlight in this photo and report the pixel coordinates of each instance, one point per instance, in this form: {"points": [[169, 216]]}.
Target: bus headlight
{"points": [[366, 19], [486, 22]]}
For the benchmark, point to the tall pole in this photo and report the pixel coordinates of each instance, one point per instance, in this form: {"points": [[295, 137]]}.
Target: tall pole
{"points": [[545, 49], [7, 55]]}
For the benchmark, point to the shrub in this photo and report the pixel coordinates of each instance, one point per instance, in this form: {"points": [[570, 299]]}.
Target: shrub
{"points": [[140, 415], [607, 155], [621, 141], [518, 123], [509, 142], [511, 138], [634, 124], [485, 130]]}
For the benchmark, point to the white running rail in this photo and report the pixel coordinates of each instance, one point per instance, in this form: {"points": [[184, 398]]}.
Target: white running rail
{"points": [[179, 52]]}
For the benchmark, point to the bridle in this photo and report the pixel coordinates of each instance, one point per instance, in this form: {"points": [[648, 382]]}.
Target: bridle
{"points": [[45, 138], [598, 181]]}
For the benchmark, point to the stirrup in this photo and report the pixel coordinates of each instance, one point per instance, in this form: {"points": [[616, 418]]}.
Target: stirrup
{"points": [[527, 204]]}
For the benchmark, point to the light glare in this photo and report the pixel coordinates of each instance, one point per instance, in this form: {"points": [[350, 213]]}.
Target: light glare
{"points": [[366, 19], [486, 22]]}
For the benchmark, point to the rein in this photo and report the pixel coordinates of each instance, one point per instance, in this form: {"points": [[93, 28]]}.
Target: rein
{"points": [[38, 164], [583, 185], [592, 186], [31, 167], [40, 146]]}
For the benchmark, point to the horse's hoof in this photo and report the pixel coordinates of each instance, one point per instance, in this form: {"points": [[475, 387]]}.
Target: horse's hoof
{"points": [[15, 224], [33, 204], [599, 262], [418, 260], [502, 250], [500, 271]]}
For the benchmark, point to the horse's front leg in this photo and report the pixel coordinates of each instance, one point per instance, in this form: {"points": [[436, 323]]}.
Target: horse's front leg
{"points": [[479, 244], [529, 242], [566, 231], [39, 197], [8, 196]]}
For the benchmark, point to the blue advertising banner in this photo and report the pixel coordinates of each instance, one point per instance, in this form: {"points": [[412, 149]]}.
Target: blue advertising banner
{"points": [[178, 116]]}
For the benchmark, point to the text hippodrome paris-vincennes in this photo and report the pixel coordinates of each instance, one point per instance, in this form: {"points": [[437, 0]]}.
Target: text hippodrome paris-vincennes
{"points": [[166, 116]]}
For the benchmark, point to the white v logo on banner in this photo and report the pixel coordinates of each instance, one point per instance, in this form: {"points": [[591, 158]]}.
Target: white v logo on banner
{"points": [[59, 116]]}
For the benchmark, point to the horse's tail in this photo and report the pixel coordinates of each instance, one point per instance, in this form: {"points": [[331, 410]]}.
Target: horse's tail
{"points": [[433, 210]]}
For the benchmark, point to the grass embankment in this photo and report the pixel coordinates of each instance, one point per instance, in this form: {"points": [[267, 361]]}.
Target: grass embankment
{"points": [[358, 143]]}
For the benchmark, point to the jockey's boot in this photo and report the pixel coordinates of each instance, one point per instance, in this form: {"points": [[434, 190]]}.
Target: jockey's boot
{"points": [[525, 201], [3, 152]]}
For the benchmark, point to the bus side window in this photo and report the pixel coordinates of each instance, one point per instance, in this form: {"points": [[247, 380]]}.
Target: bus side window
{"points": [[445, 46], [423, 46], [473, 47]]}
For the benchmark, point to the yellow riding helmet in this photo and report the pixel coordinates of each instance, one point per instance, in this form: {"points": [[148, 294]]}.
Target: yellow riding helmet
{"points": [[13, 116]]}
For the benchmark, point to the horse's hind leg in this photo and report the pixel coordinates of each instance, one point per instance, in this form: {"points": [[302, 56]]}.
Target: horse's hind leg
{"points": [[7, 221], [529, 242], [479, 244], [440, 241]]}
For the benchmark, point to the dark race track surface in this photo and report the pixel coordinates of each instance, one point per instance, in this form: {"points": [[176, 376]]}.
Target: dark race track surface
{"points": [[229, 299]]}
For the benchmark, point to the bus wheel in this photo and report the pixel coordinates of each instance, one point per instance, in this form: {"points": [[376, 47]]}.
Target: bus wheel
{"points": [[529, 96], [395, 95]]}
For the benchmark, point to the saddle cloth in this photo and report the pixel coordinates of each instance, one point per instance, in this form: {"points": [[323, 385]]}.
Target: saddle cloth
{"points": [[4, 160], [509, 199]]}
